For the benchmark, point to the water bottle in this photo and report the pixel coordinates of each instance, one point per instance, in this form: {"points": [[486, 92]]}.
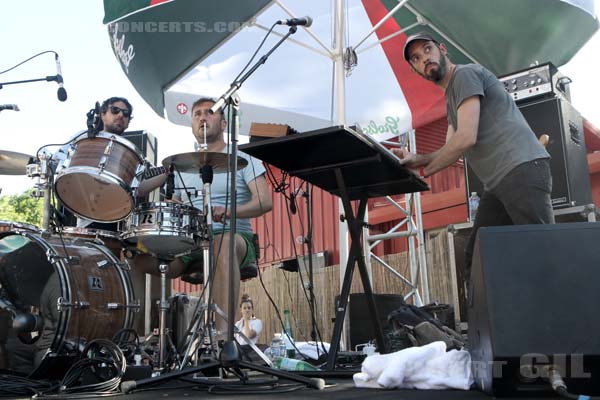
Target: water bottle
{"points": [[277, 348], [473, 205], [288, 337], [291, 364]]}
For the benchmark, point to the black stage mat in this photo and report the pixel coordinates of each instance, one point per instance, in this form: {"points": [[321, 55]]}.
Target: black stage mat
{"points": [[335, 390]]}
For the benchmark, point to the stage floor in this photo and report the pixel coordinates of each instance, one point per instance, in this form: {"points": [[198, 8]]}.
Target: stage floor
{"points": [[335, 389]]}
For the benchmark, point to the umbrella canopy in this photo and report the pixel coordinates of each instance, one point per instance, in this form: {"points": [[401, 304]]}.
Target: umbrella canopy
{"points": [[198, 47], [157, 41]]}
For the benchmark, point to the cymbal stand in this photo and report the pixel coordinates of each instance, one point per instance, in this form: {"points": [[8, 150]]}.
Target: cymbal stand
{"points": [[163, 309], [43, 186], [202, 320], [204, 315], [229, 357]]}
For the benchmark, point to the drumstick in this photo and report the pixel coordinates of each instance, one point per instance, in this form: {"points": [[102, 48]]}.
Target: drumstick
{"points": [[204, 146]]}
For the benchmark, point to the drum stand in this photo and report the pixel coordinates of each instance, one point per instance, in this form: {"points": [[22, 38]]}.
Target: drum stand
{"points": [[163, 308], [164, 340]]}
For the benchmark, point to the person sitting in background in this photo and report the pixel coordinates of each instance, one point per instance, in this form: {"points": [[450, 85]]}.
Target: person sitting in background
{"points": [[248, 324]]}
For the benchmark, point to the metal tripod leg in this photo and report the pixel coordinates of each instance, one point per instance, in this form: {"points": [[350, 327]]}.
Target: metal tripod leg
{"points": [[163, 309]]}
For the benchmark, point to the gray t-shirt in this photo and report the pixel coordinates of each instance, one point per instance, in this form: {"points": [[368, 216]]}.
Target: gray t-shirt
{"points": [[504, 139], [220, 190]]}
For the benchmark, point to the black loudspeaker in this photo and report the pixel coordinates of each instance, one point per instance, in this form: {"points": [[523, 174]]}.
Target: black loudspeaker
{"points": [[361, 322], [148, 147], [145, 142], [558, 119], [533, 301]]}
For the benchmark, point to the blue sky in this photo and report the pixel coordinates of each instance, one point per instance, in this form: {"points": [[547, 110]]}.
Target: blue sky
{"points": [[74, 29]]}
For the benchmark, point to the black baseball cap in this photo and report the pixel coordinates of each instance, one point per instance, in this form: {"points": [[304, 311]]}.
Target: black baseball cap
{"points": [[416, 36]]}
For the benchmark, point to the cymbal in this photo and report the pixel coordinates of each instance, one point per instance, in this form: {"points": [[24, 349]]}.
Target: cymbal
{"points": [[13, 163], [193, 161]]}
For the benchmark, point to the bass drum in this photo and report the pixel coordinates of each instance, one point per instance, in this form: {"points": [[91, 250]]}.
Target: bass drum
{"points": [[79, 288], [107, 238]]}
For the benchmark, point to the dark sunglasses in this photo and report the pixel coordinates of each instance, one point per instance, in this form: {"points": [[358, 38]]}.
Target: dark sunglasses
{"points": [[115, 110]]}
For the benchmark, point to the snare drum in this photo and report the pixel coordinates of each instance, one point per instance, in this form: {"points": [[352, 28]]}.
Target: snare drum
{"points": [[163, 229], [81, 289], [95, 181]]}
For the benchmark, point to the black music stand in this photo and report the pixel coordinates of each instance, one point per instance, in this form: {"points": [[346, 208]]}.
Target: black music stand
{"points": [[352, 166]]}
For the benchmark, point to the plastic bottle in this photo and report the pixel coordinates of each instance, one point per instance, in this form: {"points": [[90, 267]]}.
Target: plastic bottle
{"points": [[291, 364], [287, 335], [277, 347], [473, 205]]}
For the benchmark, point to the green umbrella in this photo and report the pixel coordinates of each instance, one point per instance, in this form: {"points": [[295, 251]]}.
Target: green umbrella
{"points": [[158, 44], [158, 41]]}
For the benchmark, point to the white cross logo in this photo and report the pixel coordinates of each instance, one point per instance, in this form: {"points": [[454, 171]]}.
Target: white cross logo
{"points": [[182, 108]]}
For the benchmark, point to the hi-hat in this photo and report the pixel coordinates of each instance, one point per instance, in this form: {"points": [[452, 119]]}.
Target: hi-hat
{"points": [[195, 160], [13, 163]]}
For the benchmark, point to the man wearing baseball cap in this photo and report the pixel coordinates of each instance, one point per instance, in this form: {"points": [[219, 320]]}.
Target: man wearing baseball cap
{"points": [[486, 127]]}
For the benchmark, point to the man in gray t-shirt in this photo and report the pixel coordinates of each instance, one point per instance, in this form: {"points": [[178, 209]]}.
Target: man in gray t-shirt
{"points": [[253, 199], [485, 126]]}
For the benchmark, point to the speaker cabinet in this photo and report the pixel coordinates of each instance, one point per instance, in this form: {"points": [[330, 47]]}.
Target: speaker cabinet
{"points": [[556, 118], [533, 300], [145, 142], [361, 322]]}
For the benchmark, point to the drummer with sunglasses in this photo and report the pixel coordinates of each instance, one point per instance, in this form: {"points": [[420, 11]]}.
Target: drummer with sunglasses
{"points": [[115, 114]]}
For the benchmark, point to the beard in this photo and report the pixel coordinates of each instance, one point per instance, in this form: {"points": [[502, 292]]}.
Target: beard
{"points": [[437, 74], [114, 128]]}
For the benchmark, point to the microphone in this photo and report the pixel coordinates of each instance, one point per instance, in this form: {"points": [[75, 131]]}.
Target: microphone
{"points": [[13, 107], [170, 183], [93, 121], [304, 21], [61, 93]]}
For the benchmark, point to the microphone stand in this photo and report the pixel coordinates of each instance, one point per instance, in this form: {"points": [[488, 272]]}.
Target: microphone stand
{"points": [[309, 248], [229, 357], [47, 79]]}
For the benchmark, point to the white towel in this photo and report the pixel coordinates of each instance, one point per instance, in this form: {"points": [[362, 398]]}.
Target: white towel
{"points": [[425, 367], [312, 350]]}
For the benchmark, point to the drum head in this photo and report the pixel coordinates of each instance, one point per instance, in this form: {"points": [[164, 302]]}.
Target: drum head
{"points": [[162, 243], [93, 196], [24, 269]]}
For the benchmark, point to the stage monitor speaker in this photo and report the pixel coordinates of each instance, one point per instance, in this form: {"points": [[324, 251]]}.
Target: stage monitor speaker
{"points": [[533, 300], [361, 323], [145, 142], [558, 119]]}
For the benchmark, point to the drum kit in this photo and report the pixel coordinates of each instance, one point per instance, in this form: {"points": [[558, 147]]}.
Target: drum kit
{"points": [[62, 287]]}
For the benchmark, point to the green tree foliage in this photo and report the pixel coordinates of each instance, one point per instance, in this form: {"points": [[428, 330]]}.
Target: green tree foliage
{"points": [[22, 208]]}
